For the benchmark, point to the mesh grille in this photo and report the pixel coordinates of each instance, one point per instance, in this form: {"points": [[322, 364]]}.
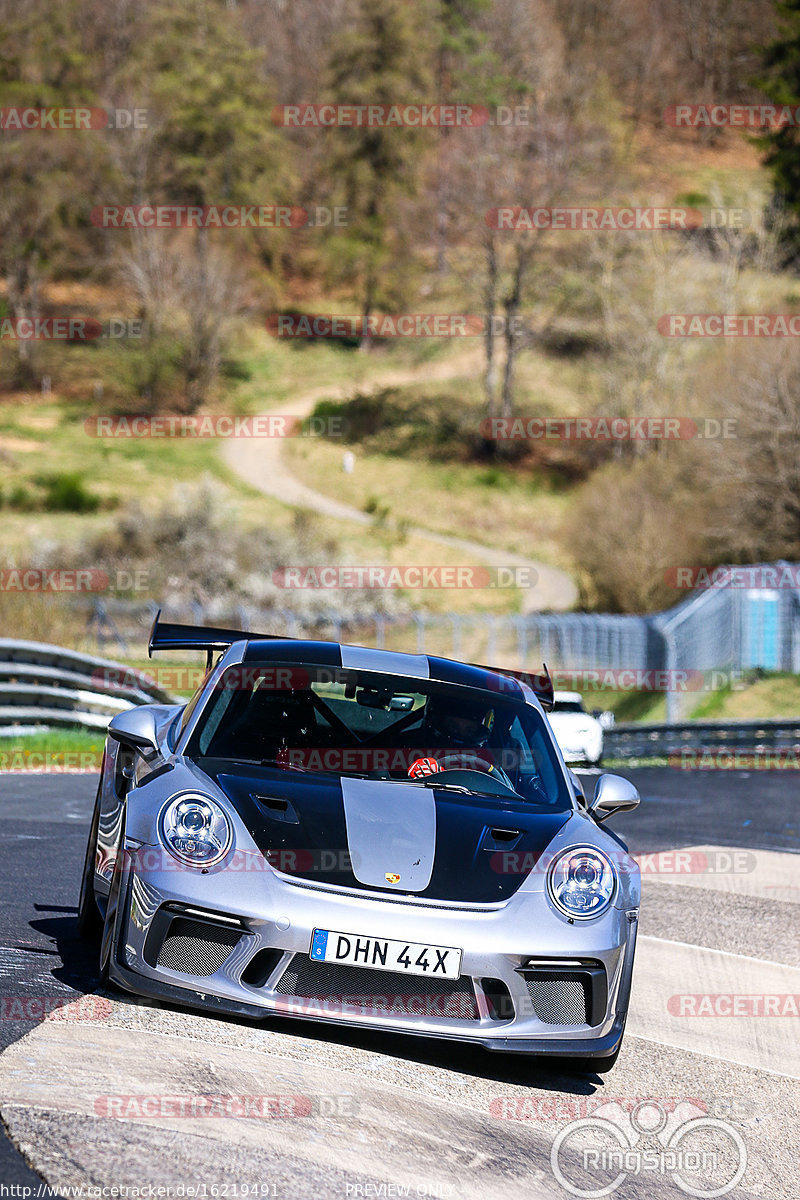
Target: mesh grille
{"points": [[557, 1001], [195, 947], [388, 992]]}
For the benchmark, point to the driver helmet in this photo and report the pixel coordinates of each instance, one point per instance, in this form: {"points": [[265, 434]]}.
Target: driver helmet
{"points": [[457, 722]]}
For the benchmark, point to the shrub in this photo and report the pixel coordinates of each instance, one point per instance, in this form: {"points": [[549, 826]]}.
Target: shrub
{"points": [[65, 491]]}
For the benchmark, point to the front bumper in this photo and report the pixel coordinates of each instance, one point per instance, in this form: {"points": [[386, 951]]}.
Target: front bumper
{"points": [[273, 915]]}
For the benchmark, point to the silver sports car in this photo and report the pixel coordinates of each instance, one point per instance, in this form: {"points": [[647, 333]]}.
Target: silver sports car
{"points": [[370, 838]]}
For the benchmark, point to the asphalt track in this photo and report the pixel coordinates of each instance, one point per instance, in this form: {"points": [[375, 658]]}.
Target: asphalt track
{"points": [[386, 1115]]}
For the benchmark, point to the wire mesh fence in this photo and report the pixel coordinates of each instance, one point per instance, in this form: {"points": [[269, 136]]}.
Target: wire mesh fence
{"points": [[715, 633]]}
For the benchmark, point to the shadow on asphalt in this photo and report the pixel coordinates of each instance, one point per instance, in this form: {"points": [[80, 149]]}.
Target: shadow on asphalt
{"points": [[79, 970]]}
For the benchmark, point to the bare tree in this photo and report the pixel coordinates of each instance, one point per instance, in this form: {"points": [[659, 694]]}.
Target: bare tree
{"points": [[210, 289]]}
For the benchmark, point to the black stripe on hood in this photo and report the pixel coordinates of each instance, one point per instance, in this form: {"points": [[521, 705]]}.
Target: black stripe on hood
{"points": [[484, 847]]}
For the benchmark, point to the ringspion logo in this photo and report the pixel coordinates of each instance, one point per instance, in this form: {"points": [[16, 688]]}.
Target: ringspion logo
{"points": [[703, 1155]]}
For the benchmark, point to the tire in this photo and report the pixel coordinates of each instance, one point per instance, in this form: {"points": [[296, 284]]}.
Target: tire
{"points": [[108, 940], [90, 922]]}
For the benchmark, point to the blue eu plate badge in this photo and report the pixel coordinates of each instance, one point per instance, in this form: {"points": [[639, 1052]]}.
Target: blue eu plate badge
{"points": [[319, 944]]}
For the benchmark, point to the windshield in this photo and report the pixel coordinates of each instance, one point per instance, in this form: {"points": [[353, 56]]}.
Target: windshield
{"points": [[325, 720], [568, 706]]}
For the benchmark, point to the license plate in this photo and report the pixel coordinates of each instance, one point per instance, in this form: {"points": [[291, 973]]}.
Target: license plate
{"points": [[381, 954]]}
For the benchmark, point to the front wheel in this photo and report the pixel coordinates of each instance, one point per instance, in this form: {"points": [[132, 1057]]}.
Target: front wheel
{"points": [[108, 940], [89, 920]]}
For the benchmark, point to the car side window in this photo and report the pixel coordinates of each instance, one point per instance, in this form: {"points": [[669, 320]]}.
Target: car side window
{"points": [[189, 709], [517, 735]]}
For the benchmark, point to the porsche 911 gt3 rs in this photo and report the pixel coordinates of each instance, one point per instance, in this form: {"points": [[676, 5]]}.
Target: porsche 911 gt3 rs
{"points": [[363, 837]]}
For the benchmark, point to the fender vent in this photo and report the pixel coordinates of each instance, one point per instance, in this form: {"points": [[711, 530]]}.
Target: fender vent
{"points": [[558, 1000], [196, 947]]}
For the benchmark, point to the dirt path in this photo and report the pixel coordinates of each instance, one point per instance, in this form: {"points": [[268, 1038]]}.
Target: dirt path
{"points": [[260, 461]]}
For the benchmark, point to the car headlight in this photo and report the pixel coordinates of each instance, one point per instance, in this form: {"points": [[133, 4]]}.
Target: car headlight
{"points": [[581, 882], [195, 830]]}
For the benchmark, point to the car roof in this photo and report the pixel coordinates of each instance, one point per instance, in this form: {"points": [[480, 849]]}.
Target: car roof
{"points": [[269, 647], [389, 662]]}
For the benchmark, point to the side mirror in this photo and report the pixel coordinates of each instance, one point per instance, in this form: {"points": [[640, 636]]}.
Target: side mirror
{"points": [[613, 794], [135, 727]]}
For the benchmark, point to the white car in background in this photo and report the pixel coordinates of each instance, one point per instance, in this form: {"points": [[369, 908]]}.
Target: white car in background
{"points": [[578, 733]]}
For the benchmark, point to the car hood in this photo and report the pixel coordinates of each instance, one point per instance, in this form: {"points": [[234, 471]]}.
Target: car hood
{"points": [[572, 722], [390, 837]]}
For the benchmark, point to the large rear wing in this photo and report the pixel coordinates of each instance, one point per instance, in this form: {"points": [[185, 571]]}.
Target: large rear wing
{"points": [[540, 685], [167, 636]]}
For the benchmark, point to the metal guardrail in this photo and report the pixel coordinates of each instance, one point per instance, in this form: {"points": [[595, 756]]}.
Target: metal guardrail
{"points": [[749, 737], [42, 684]]}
